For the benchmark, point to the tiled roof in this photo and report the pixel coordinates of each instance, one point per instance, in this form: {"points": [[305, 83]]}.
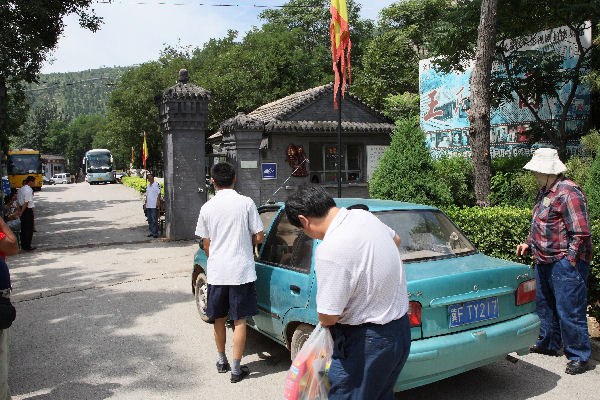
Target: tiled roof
{"points": [[272, 116], [279, 109], [328, 126]]}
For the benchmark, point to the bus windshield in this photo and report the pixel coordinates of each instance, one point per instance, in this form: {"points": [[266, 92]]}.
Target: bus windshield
{"points": [[23, 164], [98, 162]]}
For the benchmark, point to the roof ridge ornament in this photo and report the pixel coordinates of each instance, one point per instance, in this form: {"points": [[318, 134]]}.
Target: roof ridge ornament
{"points": [[183, 76]]}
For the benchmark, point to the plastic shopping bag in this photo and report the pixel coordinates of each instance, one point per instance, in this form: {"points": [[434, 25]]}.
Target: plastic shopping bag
{"points": [[307, 377]]}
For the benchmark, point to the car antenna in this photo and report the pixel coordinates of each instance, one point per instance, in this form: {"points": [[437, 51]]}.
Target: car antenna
{"points": [[284, 182]]}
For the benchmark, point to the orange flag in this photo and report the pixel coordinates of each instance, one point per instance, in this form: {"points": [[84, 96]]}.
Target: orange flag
{"points": [[339, 31]]}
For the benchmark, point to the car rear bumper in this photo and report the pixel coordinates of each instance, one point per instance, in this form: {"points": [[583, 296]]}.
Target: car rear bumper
{"points": [[439, 357]]}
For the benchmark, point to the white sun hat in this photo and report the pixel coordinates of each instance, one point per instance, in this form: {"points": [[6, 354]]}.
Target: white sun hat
{"points": [[546, 161]]}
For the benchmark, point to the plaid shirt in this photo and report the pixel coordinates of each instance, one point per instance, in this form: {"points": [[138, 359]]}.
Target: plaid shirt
{"points": [[560, 225]]}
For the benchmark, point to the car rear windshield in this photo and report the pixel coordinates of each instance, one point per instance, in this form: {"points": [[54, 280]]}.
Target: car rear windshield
{"points": [[426, 234]]}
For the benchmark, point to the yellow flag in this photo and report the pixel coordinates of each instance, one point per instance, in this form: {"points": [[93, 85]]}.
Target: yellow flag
{"points": [[339, 31]]}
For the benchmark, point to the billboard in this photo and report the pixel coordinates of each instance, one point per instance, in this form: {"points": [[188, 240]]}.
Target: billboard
{"points": [[445, 104]]}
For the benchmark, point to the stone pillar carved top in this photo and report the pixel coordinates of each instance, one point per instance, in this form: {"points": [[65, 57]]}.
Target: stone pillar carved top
{"points": [[183, 106], [183, 117]]}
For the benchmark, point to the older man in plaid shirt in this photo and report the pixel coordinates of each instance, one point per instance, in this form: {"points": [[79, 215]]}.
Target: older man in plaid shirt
{"points": [[561, 245]]}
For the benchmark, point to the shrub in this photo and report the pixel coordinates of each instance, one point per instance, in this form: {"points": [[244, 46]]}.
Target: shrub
{"points": [[516, 189], [139, 184], [578, 169], [594, 275], [509, 164], [591, 188], [406, 171], [496, 231], [457, 173]]}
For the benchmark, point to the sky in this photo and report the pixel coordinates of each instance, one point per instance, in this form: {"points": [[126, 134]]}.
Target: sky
{"points": [[134, 32]]}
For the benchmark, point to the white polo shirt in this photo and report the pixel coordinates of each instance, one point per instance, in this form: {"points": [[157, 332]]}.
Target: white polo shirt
{"points": [[359, 271], [229, 220], [152, 193], [25, 194]]}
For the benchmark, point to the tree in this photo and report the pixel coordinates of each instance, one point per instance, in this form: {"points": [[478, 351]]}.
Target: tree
{"points": [[390, 61], [29, 30], [479, 129], [36, 128], [406, 171]]}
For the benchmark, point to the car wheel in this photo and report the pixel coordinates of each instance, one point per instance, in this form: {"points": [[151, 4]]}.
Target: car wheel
{"points": [[299, 337], [200, 293]]}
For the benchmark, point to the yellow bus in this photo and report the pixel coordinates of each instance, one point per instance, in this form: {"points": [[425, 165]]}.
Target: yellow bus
{"points": [[22, 163]]}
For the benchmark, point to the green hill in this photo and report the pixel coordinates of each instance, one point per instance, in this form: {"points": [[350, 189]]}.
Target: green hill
{"points": [[76, 93]]}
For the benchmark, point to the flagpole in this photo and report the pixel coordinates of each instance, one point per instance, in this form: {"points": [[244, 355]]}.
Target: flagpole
{"points": [[339, 130]]}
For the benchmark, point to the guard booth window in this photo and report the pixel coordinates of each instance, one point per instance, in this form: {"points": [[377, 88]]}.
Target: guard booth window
{"points": [[287, 247]]}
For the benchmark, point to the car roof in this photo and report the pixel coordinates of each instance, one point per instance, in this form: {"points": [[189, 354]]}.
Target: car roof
{"points": [[376, 204]]}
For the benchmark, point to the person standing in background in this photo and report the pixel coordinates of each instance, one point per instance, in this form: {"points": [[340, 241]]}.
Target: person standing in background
{"points": [[8, 247], [561, 245], [152, 205], [26, 204]]}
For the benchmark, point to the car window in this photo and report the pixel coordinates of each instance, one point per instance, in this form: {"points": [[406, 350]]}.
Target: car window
{"points": [[266, 216], [287, 246], [426, 234]]}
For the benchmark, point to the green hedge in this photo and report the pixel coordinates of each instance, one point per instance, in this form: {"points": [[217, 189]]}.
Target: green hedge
{"points": [[138, 184], [497, 231]]}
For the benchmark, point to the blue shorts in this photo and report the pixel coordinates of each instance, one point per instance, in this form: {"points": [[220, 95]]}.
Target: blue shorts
{"points": [[237, 301]]}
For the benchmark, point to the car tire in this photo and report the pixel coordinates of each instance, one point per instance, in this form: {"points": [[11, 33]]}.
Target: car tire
{"points": [[200, 294], [299, 337]]}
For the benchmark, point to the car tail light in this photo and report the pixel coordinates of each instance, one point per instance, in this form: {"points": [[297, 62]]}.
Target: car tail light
{"points": [[414, 313], [526, 292]]}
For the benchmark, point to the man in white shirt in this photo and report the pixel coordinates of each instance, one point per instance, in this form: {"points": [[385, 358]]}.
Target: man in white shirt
{"points": [[229, 226], [26, 205], [361, 293], [152, 204]]}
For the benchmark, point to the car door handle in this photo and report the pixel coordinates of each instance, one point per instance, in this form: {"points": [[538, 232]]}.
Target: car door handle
{"points": [[295, 289]]}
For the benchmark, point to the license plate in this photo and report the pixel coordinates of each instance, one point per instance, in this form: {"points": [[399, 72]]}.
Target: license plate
{"points": [[473, 311], [99, 179]]}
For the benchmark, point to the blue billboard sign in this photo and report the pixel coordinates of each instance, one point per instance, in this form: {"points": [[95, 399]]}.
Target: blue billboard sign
{"points": [[269, 170], [445, 103]]}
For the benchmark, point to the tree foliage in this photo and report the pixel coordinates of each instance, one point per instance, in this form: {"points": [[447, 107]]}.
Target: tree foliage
{"points": [[390, 61], [29, 30]]}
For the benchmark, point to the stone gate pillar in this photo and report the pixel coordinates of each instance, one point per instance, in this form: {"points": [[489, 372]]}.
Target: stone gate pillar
{"points": [[242, 136], [183, 117]]}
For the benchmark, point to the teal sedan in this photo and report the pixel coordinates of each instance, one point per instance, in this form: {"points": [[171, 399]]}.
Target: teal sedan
{"points": [[466, 309]]}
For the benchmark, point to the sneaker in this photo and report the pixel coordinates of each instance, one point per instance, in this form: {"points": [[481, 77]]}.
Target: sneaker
{"points": [[541, 350], [576, 367], [222, 368], [150, 235], [237, 378]]}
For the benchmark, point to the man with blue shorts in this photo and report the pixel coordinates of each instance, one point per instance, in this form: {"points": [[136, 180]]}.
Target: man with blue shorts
{"points": [[361, 294], [229, 226]]}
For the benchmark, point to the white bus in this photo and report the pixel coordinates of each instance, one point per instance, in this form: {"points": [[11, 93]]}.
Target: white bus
{"points": [[98, 166]]}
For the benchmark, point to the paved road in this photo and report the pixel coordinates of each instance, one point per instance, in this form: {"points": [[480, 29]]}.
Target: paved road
{"points": [[118, 321]]}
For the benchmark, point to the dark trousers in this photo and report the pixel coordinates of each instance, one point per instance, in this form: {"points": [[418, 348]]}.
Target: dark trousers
{"points": [[152, 217], [367, 359], [561, 303], [26, 228]]}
